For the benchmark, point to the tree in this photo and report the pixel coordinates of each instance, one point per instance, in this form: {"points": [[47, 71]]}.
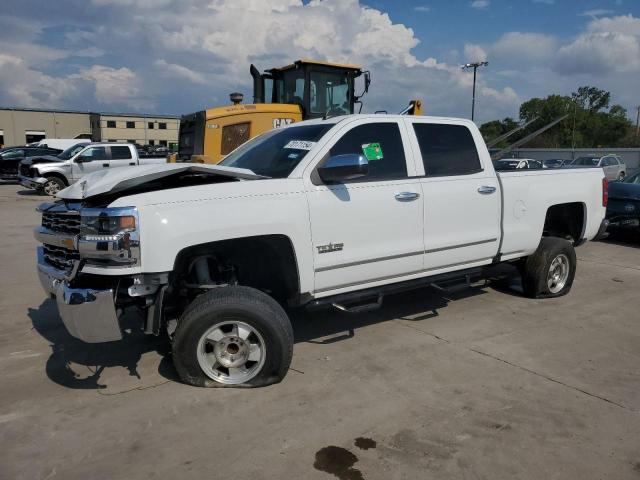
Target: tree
{"points": [[591, 121]]}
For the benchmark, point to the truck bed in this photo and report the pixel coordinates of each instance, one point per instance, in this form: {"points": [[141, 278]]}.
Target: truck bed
{"points": [[528, 194]]}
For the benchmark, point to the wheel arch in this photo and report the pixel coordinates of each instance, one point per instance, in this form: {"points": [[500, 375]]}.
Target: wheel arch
{"points": [[266, 262], [56, 175], [566, 220]]}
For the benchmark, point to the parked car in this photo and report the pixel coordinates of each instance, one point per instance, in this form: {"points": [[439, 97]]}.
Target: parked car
{"points": [[26, 164], [613, 166], [51, 177], [11, 157], [328, 212], [554, 162], [518, 164], [623, 208]]}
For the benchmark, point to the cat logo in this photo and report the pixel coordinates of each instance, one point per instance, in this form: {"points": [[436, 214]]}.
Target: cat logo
{"points": [[281, 122], [332, 247]]}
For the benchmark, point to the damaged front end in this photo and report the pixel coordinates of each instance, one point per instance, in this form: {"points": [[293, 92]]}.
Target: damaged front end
{"points": [[74, 238]]}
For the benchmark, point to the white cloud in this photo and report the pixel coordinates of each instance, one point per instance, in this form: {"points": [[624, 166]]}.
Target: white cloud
{"points": [[480, 4], [474, 53], [25, 86], [596, 12], [179, 71], [422, 8], [526, 46], [548, 2], [119, 86]]}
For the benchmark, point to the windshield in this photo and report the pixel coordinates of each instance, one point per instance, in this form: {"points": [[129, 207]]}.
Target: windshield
{"points": [[635, 179], [276, 153], [71, 151]]}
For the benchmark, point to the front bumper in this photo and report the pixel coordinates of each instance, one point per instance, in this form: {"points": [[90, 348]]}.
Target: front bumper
{"points": [[33, 183], [88, 314]]}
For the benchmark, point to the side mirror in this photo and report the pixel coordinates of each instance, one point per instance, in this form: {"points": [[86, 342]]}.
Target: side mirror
{"points": [[343, 167], [82, 159]]}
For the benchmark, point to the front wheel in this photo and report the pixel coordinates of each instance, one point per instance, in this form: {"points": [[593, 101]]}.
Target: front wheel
{"points": [[233, 336], [53, 186], [550, 270]]}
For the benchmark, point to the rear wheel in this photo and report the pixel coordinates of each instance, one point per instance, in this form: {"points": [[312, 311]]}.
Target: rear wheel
{"points": [[53, 186], [621, 176], [550, 270], [233, 336]]}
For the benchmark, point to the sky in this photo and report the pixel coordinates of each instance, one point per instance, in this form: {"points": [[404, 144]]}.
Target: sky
{"points": [[177, 57]]}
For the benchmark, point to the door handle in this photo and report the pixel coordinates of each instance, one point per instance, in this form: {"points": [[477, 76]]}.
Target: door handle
{"points": [[105, 165], [407, 196], [486, 190]]}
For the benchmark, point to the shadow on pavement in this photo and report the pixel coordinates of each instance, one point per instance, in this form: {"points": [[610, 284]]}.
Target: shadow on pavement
{"points": [[30, 193], [79, 365]]}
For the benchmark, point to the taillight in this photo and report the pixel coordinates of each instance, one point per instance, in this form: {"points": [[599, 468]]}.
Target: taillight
{"points": [[605, 191]]}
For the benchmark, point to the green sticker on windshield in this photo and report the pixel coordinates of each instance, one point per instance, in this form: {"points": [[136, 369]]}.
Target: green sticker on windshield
{"points": [[372, 151]]}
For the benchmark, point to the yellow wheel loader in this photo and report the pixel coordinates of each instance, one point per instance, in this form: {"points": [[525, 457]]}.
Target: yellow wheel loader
{"points": [[300, 91]]}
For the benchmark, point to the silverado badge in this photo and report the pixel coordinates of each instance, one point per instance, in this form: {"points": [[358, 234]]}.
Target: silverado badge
{"points": [[331, 247]]}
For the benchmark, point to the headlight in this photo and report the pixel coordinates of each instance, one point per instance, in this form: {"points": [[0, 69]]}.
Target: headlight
{"points": [[109, 236]]}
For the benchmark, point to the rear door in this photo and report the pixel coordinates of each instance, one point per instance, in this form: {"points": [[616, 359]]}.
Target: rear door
{"points": [[121, 156], [368, 229], [93, 160], [462, 207]]}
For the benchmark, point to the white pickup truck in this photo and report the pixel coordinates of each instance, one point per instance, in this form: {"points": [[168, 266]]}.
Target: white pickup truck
{"points": [[335, 212], [51, 174]]}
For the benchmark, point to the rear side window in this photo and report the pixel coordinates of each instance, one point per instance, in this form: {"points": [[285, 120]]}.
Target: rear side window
{"points": [[381, 144], [120, 153], [447, 149]]}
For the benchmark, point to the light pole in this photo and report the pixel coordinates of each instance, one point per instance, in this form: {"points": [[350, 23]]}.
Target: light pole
{"points": [[475, 67], [638, 122]]}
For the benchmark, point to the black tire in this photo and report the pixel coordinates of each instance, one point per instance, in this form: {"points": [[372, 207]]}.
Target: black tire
{"points": [[536, 268], [254, 308], [52, 183]]}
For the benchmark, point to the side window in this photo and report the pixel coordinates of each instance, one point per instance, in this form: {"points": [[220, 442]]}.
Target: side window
{"points": [[120, 153], [447, 149], [13, 154], [94, 153], [381, 144]]}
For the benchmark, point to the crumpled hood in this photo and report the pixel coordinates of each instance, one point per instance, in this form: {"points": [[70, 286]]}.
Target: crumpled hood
{"points": [[625, 191], [127, 178], [40, 159]]}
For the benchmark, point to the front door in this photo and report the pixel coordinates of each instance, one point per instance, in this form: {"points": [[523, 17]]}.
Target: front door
{"points": [[462, 205], [93, 160], [367, 230]]}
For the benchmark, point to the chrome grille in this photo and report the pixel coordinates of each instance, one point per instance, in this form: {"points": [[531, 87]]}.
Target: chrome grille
{"points": [[67, 222], [60, 257]]}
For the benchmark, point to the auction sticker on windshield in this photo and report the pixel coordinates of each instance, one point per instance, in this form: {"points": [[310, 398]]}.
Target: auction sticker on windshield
{"points": [[372, 151], [300, 145]]}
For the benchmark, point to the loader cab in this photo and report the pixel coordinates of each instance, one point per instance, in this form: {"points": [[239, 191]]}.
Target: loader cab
{"points": [[281, 96], [320, 89]]}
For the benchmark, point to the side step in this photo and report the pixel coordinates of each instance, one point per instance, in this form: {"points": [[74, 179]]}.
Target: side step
{"points": [[372, 298], [360, 307]]}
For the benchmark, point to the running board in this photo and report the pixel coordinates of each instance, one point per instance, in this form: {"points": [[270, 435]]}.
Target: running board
{"points": [[454, 286], [361, 307], [363, 298]]}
